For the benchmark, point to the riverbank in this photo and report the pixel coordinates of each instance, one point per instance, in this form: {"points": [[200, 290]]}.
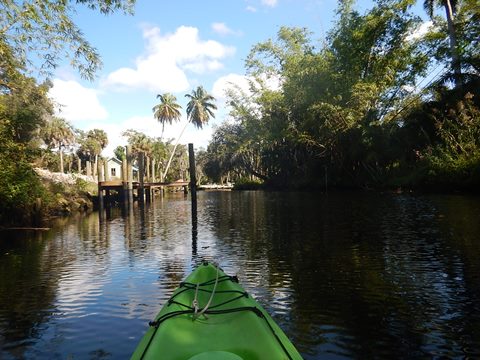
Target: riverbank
{"points": [[60, 195], [66, 193]]}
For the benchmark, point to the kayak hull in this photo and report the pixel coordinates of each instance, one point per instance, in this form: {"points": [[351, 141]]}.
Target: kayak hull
{"points": [[233, 325]]}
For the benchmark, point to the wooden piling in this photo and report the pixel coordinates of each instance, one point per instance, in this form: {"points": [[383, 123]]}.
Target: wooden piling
{"points": [[193, 187], [100, 190], [153, 170], [125, 180], [130, 173], [147, 168], [141, 176], [193, 176], [148, 194], [106, 175]]}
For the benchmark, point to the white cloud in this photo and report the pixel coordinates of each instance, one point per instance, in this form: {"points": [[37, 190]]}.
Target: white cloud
{"points": [[168, 59], [223, 29], [270, 3], [251, 9], [75, 102], [420, 31], [230, 81]]}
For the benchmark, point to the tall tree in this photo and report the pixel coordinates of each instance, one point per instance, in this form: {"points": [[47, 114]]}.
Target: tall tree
{"points": [[329, 106], [200, 107], [100, 140], [119, 153], [91, 145], [35, 36], [450, 7], [139, 141], [24, 109], [100, 137], [199, 111], [167, 111], [58, 134]]}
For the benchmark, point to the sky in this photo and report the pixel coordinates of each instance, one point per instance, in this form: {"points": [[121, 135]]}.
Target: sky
{"points": [[173, 46]]}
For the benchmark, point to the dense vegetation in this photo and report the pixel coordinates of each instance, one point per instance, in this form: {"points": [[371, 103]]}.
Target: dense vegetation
{"points": [[377, 104], [35, 35]]}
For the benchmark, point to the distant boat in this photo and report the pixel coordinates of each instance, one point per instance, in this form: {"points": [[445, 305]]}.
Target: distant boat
{"points": [[227, 186]]}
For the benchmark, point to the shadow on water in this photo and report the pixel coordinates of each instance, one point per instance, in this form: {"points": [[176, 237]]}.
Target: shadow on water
{"points": [[346, 275]]}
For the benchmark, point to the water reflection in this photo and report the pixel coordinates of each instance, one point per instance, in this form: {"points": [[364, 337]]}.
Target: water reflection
{"points": [[345, 275]]}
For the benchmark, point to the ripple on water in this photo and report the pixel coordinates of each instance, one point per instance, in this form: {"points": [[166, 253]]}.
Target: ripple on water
{"points": [[344, 275]]}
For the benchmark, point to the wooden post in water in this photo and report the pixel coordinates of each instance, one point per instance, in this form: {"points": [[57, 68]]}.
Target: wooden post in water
{"points": [[100, 190], [79, 165], [193, 187], [153, 170], [147, 166], [124, 183], [141, 176], [129, 174], [148, 190], [106, 177], [148, 194], [193, 176]]}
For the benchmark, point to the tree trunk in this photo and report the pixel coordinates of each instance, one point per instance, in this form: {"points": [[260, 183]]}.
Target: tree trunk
{"points": [[60, 150], [95, 166], [456, 65], [147, 161], [153, 170], [173, 152]]}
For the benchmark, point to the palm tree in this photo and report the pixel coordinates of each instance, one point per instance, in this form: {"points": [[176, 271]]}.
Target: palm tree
{"points": [[200, 107], [167, 111], [58, 134], [199, 111], [99, 140], [450, 11], [91, 145]]}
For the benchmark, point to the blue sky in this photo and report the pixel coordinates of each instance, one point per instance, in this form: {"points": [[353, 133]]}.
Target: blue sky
{"points": [[173, 46]]}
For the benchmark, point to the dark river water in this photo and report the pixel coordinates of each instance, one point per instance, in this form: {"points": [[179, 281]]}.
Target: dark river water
{"points": [[346, 275]]}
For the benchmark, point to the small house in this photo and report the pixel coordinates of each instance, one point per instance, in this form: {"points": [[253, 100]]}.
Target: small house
{"points": [[115, 169]]}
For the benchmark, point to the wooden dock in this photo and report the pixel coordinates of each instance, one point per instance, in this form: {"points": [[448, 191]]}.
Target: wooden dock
{"points": [[119, 184], [144, 187]]}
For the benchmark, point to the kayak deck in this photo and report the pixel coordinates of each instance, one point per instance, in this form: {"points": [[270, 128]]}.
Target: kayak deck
{"points": [[227, 323]]}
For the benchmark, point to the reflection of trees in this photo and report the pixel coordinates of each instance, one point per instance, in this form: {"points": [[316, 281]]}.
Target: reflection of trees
{"points": [[359, 275], [32, 266], [459, 217], [25, 288], [155, 226], [366, 275]]}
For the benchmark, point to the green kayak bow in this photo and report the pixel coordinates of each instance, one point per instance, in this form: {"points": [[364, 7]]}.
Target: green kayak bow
{"points": [[210, 316]]}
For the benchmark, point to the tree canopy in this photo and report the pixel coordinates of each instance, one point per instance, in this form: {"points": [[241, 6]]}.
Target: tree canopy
{"points": [[42, 33], [167, 111], [351, 111]]}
